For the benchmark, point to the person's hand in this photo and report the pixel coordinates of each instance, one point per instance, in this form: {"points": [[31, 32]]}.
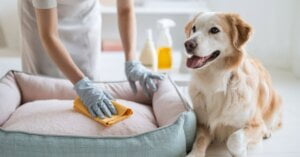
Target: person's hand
{"points": [[135, 71], [97, 101]]}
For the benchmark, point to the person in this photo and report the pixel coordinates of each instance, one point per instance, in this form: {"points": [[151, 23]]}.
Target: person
{"points": [[62, 38]]}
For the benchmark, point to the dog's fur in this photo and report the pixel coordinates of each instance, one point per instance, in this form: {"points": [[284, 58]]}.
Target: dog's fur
{"points": [[232, 95]]}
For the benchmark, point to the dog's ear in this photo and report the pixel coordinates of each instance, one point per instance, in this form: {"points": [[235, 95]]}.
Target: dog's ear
{"points": [[189, 25], [240, 30], [188, 28]]}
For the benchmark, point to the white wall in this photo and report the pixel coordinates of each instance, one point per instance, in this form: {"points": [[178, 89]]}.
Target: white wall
{"points": [[9, 24], [296, 40], [272, 23]]}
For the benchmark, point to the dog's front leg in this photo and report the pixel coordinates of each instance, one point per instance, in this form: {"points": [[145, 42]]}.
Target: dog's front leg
{"points": [[201, 143]]}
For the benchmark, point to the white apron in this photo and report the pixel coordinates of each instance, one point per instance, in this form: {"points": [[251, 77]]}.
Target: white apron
{"points": [[79, 27]]}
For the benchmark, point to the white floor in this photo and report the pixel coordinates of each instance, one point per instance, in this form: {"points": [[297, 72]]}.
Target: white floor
{"points": [[283, 143]]}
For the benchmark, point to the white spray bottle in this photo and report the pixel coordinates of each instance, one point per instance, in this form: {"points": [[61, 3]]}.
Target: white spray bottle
{"points": [[164, 43], [148, 55]]}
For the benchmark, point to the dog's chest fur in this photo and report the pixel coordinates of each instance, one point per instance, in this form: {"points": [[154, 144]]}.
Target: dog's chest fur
{"points": [[220, 102]]}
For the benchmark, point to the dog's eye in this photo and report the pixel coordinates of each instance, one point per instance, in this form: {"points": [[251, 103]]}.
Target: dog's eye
{"points": [[214, 30], [194, 29]]}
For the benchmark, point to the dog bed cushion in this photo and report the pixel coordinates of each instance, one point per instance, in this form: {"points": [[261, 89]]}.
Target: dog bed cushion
{"points": [[37, 119]]}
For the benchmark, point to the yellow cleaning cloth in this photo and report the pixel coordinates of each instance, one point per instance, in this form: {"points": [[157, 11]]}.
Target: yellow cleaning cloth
{"points": [[122, 113]]}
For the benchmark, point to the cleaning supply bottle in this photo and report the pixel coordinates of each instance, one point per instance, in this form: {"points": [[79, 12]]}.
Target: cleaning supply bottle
{"points": [[164, 44], [148, 55]]}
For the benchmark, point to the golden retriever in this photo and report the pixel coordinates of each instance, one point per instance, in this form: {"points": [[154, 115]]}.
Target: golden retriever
{"points": [[231, 92]]}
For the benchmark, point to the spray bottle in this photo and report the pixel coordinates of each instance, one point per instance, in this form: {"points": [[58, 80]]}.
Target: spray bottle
{"points": [[148, 55], [164, 44]]}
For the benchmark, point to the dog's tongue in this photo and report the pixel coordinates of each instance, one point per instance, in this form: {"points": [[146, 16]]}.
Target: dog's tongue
{"points": [[195, 61]]}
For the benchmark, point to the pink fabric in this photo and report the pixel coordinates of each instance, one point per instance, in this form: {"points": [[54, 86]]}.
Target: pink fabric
{"points": [[41, 88], [10, 97], [167, 105], [57, 117], [46, 107], [122, 90]]}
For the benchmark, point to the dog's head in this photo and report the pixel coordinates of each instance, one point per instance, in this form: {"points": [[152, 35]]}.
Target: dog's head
{"points": [[215, 38]]}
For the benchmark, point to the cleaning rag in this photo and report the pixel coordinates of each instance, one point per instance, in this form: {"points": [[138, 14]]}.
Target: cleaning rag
{"points": [[123, 112]]}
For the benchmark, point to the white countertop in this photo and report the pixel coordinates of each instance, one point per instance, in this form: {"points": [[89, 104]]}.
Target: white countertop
{"points": [[112, 65]]}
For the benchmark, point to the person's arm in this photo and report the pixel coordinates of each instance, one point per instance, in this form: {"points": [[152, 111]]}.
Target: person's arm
{"points": [[127, 27], [134, 70], [47, 27], [97, 101]]}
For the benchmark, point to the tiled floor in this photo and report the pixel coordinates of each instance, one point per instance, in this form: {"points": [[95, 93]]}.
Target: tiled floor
{"points": [[283, 143]]}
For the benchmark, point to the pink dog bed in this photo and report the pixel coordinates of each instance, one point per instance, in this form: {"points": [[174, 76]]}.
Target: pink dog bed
{"points": [[44, 106]]}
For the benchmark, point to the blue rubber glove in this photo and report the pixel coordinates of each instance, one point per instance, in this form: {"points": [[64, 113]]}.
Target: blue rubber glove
{"points": [[135, 71], [97, 101]]}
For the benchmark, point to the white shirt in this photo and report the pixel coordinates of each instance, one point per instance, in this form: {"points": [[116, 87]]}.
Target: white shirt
{"points": [[79, 27]]}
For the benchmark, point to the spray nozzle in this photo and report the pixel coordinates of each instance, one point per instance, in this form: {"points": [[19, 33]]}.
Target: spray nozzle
{"points": [[165, 23]]}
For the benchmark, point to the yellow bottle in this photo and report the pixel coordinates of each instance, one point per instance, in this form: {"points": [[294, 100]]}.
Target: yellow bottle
{"points": [[164, 44], [164, 58]]}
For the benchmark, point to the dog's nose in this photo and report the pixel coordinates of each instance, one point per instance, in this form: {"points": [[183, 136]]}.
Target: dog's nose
{"points": [[190, 45]]}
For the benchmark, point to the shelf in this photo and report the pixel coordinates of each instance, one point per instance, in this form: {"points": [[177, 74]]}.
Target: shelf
{"points": [[164, 7]]}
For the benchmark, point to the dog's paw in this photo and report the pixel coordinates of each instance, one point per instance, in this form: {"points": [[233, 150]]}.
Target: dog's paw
{"points": [[237, 145]]}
